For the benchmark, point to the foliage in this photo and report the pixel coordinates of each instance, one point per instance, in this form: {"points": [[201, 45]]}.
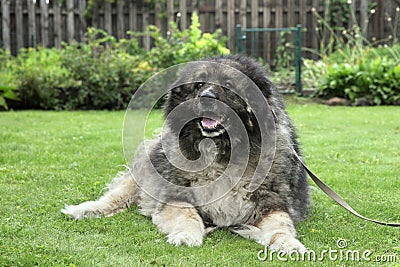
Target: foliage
{"points": [[335, 30], [337, 12], [370, 73], [102, 73], [106, 70], [40, 77], [184, 46], [351, 67], [7, 86], [376, 80], [284, 56]]}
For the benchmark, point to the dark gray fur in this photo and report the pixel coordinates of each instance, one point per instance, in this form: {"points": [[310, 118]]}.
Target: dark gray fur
{"points": [[284, 189]]}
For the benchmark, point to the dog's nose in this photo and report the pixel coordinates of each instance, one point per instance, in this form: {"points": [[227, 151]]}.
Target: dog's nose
{"points": [[207, 93], [206, 101]]}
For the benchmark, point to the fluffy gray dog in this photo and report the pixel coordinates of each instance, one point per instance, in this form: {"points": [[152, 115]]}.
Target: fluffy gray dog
{"points": [[211, 166]]}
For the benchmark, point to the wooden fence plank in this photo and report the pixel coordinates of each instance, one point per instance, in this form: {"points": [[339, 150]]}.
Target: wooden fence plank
{"points": [[291, 14], [278, 14], [254, 24], [353, 21], [132, 16], [145, 23], [57, 24], [183, 13], [44, 23], [120, 19], [313, 32], [157, 15], [278, 24], [96, 15], [18, 24], [231, 26], [218, 13], [31, 23], [254, 13], [364, 17], [82, 21], [302, 13], [195, 7], [170, 11], [242, 13], [108, 17], [267, 24], [70, 21], [5, 22], [378, 29], [204, 16]]}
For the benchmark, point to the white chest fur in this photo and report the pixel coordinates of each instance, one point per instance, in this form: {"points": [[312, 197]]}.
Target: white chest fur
{"points": [[226, 201]]}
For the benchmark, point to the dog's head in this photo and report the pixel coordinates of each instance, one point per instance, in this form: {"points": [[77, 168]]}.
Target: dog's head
{"points": [[216, 96]]}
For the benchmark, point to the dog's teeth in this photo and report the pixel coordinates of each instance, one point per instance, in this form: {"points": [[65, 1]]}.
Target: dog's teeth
{"points": [[209, 123]]}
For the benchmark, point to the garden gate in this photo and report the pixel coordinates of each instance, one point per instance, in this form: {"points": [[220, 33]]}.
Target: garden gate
{"points": [[241, 39]]}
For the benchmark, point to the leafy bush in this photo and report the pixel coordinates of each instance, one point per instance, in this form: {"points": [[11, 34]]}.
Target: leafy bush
{"points": [[378, 81], [351, 66], [106, 70], [40, 77], [7, 86], [103, 73], [184, 46]]}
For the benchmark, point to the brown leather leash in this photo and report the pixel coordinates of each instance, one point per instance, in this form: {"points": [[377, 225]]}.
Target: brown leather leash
{"points": [[332, 194]]}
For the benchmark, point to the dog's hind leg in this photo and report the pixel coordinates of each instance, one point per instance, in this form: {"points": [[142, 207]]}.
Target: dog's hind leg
{"points": [[181, 222], [275, 230], [121, 194]]}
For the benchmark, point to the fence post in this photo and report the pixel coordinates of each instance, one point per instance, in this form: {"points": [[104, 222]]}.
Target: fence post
{"points": [[5, 21], [297, 60]]}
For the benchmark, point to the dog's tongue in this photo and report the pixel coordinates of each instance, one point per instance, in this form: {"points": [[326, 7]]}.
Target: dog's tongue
{"points": [[209, 123]]}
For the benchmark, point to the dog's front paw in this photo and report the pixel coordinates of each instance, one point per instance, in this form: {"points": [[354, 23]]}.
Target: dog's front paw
{"points": [[287, 244], [81, 211], [190, 239]]}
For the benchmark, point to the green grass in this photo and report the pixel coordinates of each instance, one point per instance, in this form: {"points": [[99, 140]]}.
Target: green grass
{"points": [[48, 159]]}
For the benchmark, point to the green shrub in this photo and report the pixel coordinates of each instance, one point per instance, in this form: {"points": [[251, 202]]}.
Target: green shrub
{"points": [[103, 73], [106, 70], [183, 46], [351, 66], [7, 86], [40, 78], [378, 81]]}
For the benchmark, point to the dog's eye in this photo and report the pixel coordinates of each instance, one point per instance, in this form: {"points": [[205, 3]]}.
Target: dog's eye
{"points": [[228, 85], [199, 85]]}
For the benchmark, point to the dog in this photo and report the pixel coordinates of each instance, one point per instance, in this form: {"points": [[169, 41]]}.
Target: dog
{"points": [[225, 159]]}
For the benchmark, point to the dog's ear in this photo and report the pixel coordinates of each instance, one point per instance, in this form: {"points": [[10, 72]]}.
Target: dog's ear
{"points": [[265, 85], [255, 71], [176, 95], [171, 102]]}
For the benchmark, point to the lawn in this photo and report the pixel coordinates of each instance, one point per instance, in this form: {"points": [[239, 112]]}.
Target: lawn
{"points": [[48, 159]]}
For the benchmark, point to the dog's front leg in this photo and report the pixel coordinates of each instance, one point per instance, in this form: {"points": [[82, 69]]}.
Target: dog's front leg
{"points": [[121, 194], [181, 222], [275, 230], [279, 233]]}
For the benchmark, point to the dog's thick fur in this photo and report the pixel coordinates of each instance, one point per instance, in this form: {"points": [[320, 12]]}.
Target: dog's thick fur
{"points": [[267, 214]]}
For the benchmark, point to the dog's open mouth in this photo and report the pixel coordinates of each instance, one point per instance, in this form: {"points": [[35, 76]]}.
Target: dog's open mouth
{"points": [[211, 127], [209, 124]]}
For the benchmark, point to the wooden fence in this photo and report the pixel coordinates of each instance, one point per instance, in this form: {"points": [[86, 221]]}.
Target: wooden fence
{"points": [[29, 23]]}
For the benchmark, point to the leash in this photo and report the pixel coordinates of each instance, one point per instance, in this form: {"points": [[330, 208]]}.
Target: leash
{"points": [[332, 194]]}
